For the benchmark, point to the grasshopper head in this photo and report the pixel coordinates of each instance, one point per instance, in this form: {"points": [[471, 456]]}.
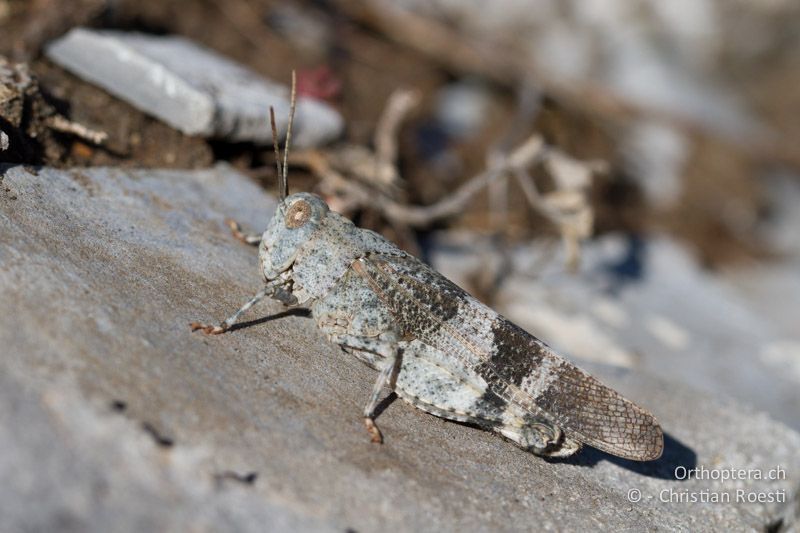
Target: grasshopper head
{"points": [[297, 218]]}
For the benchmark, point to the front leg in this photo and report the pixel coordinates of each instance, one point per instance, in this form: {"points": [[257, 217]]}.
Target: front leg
{"points": [[246, 238], [230, 321]]}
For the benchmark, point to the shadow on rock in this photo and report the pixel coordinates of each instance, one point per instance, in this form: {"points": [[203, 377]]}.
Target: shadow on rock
{"points": [[676, 454], [296, 311]]}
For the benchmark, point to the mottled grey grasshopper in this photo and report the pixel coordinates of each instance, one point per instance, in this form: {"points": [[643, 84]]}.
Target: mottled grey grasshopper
{"points": [[436, 346]]}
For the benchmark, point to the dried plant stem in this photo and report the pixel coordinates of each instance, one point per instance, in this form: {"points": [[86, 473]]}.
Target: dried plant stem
{"points": [[332, 182], [400, 103], [62, 124], [524, 155]]}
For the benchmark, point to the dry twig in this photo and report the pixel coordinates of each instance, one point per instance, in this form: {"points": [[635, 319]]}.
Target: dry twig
{"points": [[350, 175], [521, 157], [59, 123], [400, 104], [353, 178], [529, 99]]}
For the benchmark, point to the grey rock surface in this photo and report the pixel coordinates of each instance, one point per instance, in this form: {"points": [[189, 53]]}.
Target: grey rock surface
{"points": [[114, 417], [190, 87]]}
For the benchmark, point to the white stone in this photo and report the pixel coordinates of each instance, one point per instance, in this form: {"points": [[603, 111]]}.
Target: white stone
{"points": [[191, 88]]}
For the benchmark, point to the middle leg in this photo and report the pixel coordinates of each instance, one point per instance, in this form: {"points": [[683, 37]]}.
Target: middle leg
{"points": [[379, 353]]}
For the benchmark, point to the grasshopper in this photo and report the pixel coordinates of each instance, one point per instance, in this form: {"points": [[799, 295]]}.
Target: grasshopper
{"points": [[436, 346]]}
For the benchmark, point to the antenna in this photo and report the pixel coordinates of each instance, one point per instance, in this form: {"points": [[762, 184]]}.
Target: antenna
{"points": [[281, 175], [283, 170], [289, 136]]}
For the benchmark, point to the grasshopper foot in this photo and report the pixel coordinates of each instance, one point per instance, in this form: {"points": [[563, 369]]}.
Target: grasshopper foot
{"points": [[373, 430], [238, 234], [208, 330]]}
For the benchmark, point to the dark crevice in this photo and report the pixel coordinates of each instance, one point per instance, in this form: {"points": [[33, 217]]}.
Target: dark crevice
{"points": [[159, 438], [774, 527], [229, 475], [120, 406]]}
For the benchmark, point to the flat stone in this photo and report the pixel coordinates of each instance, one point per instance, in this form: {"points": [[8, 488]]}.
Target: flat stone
{"points": [[191, 88], [113, 415]]}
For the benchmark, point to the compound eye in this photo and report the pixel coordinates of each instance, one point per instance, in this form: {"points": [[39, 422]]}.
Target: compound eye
{"points": [[298, 214]]}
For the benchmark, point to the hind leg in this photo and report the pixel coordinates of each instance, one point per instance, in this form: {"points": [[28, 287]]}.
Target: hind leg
{"points": [[425, 380], [439, 391]]}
